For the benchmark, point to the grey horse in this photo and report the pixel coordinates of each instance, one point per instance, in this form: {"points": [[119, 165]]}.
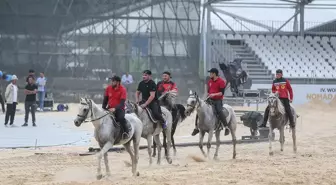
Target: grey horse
{"points": [[108, 132], [149, 129], [278, 119], [168, 100], [209, 123]]}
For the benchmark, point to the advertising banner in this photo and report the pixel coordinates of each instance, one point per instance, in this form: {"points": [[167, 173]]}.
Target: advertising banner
{"points": [[305, 93]]}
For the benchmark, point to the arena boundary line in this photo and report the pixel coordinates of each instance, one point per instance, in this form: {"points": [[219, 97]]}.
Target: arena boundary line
{"points": [[189, 144]]}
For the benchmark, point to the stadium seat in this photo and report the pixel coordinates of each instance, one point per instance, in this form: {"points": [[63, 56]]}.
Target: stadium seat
{"points": [[300, 57]]}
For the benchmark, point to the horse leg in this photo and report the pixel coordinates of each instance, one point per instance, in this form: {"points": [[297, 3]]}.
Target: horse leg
{"points": [[102, 152], [234, 139], [210, 135], [154, 148], [200, 144], [270, 137], [149, 148], [108, 172], [129, 150], [217, 134], [159, 147], [282, 137], [168, 145], [294, 139], [136, 143], [172, 137], [165, 143]]}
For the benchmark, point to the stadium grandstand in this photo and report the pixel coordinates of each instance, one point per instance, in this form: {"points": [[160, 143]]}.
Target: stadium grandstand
{"points": [[305, 50], [78, 43]]}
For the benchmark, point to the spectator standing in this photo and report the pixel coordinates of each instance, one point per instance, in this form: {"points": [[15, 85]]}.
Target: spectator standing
{"points": [[30, 101], [2, 102], [127, 81], [30, 74], [41, 82], [11, 96]]}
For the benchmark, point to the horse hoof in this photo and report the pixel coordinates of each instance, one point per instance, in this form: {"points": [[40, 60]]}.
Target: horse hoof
{"points": [[234, 156], [99, 177], [215, 158], [153, 155], [137, 174], [170, 161], [271, 153]]}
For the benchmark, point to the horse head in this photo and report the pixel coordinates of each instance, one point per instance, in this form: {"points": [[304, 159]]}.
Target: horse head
{"points": [[131, 107], [167, 99], [274, 104], [84, 111], [193, 102]]}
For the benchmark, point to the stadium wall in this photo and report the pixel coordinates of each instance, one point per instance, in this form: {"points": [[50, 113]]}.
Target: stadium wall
{"points": [[308, 93]]}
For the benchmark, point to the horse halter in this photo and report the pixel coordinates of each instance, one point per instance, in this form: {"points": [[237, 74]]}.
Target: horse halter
{"points": [[86, 111]]}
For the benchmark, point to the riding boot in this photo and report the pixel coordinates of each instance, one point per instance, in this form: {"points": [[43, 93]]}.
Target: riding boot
{"points": [[291, 119], [222, 118], [265, 118], [125, 129]]}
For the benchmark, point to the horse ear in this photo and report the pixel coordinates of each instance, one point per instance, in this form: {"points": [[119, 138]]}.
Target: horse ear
{"points": [[276, 94], [190, 92], [81, 100]]}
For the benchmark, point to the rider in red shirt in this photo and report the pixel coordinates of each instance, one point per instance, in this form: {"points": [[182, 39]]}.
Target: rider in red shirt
{"points": [[285, 91], [216, 89], [114, 101]]}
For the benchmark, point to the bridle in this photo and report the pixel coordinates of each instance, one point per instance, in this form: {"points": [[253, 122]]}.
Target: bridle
{"points": [[86, 112]]}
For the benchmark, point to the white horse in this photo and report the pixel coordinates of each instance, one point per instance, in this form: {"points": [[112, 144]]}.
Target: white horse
{"points": [[108, 132], [208, 122], [149, 129], [278, 119]]}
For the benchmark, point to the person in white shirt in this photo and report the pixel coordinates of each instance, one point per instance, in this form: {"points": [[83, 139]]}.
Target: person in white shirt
{"points": [[127, 81], [41, 82], [11, 96]]}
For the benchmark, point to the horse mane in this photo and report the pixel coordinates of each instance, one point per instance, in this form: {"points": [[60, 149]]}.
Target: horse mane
{"points": [[181, 110], [281, 108]]}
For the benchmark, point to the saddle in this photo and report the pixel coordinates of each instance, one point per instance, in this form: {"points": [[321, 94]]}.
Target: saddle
{"points": [[119, 131], [219, 124], [150, 115]]}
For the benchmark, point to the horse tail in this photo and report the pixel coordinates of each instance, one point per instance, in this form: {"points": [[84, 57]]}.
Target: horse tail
{"points": [[181, 109]]}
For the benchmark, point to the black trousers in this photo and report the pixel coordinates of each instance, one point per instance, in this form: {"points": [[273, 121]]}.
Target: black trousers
{"points": [[286, 104], [156, 110], [2, 104], [10, 113], [30, 106], [120, 117], [218, 107]]}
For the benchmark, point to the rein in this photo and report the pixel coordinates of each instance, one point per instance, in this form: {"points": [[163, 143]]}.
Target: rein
{"points": [[84, 117]]}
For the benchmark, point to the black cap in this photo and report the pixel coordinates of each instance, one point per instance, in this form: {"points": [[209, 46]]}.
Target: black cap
{"points": [[148, 72], [116, 79], [167, 73], [31, 71], [279, 71], [213, 70]]}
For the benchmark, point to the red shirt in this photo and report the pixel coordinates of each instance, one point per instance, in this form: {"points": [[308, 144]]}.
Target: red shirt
{"points": [[283, 87], [115, 95], [163, 86], [215, 86]]}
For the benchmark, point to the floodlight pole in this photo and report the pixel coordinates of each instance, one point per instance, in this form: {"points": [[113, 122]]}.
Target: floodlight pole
{"points": [[302, 27]]}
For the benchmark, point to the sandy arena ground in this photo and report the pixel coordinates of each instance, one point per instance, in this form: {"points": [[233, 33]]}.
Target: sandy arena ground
{"points": [[314, 163]]}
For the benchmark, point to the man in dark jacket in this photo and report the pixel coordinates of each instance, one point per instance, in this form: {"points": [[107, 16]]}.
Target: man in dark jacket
{"points": [[30, 101], [283, 87]]}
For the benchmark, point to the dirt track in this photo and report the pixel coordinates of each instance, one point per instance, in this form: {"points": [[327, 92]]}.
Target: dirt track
{"points": [[313, 164]]}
